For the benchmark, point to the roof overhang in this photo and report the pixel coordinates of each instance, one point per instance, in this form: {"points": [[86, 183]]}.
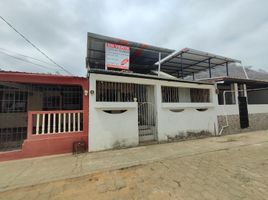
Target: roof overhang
{"points": [[144, 58], [188, 61], [144, 76], [230, 80]]}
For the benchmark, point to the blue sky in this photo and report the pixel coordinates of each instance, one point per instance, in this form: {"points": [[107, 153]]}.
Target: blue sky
{"points": [[232, 28]]}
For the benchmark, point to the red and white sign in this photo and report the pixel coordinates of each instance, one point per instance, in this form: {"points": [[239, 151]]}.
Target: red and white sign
{"points": [[116, 56]]}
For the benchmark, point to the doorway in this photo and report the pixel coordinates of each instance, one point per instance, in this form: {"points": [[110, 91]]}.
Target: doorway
{"points": [[146, 113]]}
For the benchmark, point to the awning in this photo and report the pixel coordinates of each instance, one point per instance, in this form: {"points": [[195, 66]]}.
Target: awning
{"points": [[188, 61], [144, 58]]}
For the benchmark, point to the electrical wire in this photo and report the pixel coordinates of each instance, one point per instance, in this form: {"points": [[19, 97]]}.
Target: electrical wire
{"points": [[33, 45], [27, 61], [26, 56]]}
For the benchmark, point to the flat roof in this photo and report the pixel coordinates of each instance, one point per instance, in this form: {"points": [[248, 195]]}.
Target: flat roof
{"points": [[144, 58]]}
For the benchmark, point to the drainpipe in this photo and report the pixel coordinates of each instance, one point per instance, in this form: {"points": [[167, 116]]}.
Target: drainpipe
{"points": [[235, 91], [225, 114]]}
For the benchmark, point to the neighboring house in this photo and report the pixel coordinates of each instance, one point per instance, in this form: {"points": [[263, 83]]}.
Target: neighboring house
{"points": [[243, 104], [41, 114], [242, 98]]}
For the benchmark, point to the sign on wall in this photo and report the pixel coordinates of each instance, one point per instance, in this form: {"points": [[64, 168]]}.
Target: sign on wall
{"points": [[116, 56]]}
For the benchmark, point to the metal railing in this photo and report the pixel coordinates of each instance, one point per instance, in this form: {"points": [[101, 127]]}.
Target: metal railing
{"points": [[53, 122]]}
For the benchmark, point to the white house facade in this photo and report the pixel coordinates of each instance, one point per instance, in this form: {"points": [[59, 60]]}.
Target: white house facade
{"points": [[128, 110]]}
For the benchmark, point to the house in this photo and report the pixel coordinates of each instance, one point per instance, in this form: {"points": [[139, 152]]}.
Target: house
{"points": [[134, 94], [41, 114], [242, 97], [242, 102], [148, 100]]}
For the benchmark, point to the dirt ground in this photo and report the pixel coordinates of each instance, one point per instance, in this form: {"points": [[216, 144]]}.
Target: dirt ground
{"points": [[236, 173]]}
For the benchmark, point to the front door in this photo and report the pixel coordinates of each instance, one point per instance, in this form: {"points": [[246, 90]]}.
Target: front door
{"points": [[243, 112], [146, 113]]}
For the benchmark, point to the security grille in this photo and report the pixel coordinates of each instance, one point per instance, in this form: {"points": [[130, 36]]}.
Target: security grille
{"points": [[12, 138], [16, 99], [170, 94], [119, 92], [130, 92], [173, 94], [199, 95]]}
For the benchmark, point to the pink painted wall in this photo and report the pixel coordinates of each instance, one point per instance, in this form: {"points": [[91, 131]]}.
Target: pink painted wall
{"points": [[41, 145]]}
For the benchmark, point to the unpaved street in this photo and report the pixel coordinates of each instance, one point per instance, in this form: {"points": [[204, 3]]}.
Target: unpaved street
{"points": [[238, 172]]}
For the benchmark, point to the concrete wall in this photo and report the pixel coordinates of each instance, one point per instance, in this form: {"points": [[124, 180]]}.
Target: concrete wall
{"points": [[107, 131], [173, 124], [229, 114]]}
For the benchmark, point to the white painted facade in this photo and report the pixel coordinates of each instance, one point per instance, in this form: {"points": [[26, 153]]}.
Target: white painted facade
{"points": [[233, 109], [257, 112], [107, 131], [254, 107]]}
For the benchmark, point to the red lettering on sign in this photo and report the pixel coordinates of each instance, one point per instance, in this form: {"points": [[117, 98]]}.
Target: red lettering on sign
{"points": [[116, 46]]}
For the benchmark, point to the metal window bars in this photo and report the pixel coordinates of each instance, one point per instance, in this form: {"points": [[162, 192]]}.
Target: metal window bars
{"points": [[200, 95], [120, 92], [16, 99], [170, 94]]}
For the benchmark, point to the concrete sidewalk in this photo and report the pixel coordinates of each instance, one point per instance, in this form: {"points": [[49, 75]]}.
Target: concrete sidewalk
{"points": [[29, 172]]}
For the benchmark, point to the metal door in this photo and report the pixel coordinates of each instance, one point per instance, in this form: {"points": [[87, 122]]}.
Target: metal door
{"points": [[146, 113], [146, 118], [243, 112]]}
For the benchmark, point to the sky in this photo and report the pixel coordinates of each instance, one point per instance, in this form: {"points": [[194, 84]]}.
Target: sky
{"points": [[233, 28]]}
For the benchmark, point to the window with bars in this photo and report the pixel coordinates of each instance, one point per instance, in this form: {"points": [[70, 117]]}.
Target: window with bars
{"points": [[200, 95], [17, 98], [62, 97], [178, 94], [114, 92], [170, 94], [120, 92], [12, 101], [52, 103]]}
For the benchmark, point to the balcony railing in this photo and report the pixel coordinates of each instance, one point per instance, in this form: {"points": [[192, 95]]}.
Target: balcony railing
{"points": [[55, 122]]}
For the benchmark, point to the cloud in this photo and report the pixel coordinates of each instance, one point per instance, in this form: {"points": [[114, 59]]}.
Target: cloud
{"points": [[236, 29]]}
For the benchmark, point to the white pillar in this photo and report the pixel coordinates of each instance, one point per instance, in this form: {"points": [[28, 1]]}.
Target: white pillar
{"points": [[158, 102], [214, 97], [236, 93], [245, 90], [159, 64]]}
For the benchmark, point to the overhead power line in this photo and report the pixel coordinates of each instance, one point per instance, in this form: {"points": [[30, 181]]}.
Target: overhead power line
{"points": [[33, 45], [27, 61], [26, 56]]}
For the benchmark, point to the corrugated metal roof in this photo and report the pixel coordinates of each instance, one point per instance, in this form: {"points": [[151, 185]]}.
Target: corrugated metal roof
{"points": [[144, 58]]}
